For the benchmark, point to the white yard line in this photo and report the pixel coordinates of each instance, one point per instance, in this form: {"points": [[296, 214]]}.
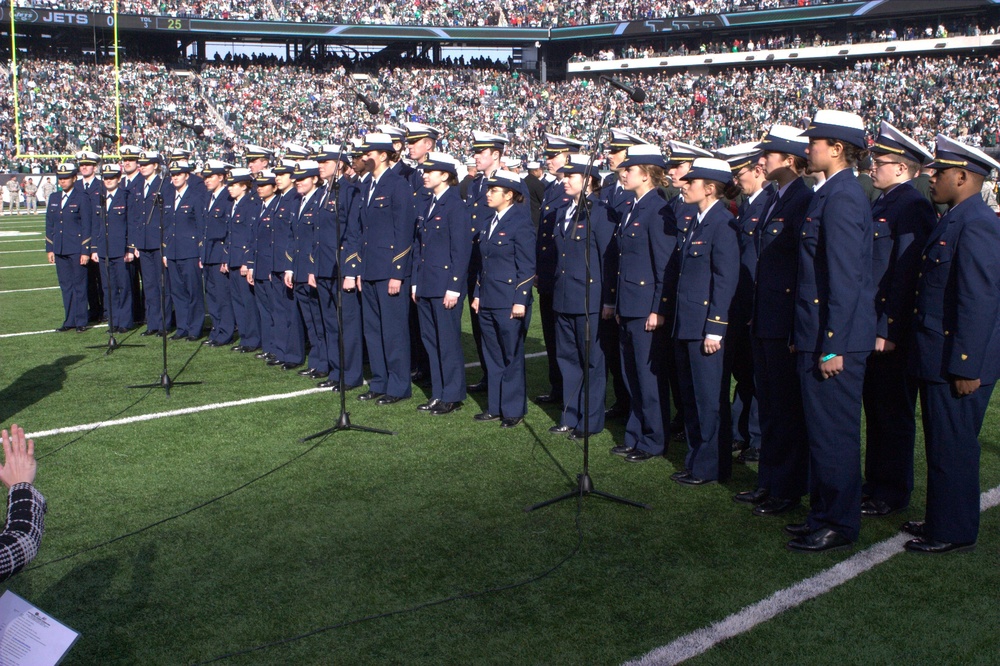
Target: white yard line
{"points": [[18, 291], [702, 640], [36, 251], [48, 330], [28, 266]]}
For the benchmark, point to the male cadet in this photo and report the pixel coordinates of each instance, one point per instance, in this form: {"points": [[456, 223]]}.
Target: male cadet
{"points": [[748, 174], [92, 185], [554, 204], [903, 219], [512, 164], [421, 139], [305, 217], [536, 190], [110, 247], [488, 150], [145, 233], [258, 158], [329, 239], [956, 355], [259, 275], [290, 335], [67, 244], [784, 454], [682, 155], [386, 221], [399, 164], [619, 202], [470, 175], [834, 331], [218, 206], [130, 179], [239, 258], [183, 234]]}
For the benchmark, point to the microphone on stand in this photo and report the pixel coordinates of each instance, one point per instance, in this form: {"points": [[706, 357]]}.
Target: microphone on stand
{"points": [[635, 93], [197, 129], [109, 135], [370, 105]]}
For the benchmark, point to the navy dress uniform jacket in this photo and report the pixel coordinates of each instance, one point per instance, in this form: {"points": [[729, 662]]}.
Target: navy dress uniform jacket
{"points": [[68, 228], [646, 238], [146, 216], [442, 248], [328, 247], [213, 250], [239, 238], [747, 222], [115, 217], [508, 261], [387, 229], [182, 226], [570, 288], [553, 213]]}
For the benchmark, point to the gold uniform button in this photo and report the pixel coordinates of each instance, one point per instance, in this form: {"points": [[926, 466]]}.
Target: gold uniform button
{"points": [[788, 291], [947, 333], [705, 303], [642, 283], [829, 334], [816, 301]]}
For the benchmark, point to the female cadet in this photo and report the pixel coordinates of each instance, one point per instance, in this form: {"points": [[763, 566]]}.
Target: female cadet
{"points": [[441, 252], [503, 297], [704, 278], [646, 239], [573, 232], [239, 240]]}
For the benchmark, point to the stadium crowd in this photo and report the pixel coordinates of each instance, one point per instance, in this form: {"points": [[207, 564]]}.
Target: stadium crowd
{"points": [[424, 12]]}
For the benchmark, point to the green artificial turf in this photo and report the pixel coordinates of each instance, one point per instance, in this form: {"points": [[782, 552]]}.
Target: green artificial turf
{"points": [[325, 533]]}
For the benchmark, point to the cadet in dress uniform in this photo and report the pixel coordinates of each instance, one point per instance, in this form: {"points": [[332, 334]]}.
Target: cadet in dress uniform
{"points": [[331, 235], [195, 181], [784, 453], [487, 150], [68, 244], [618, 201], [576, 323], [218, 206], [92, 185], [678, 164], [288, 323], [903, 219], [441, 252], [748, 175], [259, 276], [130, 180], [536, 190], [398, 164], [834, 331], [258, 158], [145, 235], [703, 281], [502, 297], [956, 352], [420, 140], [305, 216], [184, 223], [239, 259], [110, 246], [557, 152], [646, 237], [386, 220]]}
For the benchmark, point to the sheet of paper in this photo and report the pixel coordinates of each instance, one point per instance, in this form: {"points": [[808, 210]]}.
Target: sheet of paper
{"points": [[29, 637]]}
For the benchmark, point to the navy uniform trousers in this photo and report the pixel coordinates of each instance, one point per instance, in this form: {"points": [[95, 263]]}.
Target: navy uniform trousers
{"points": [[73, 284], [644, 366], [307, 301], [290, 336], [784, 454], [571, 341], [117, 292], [387, 330], [503, 347], [186, 292], [441, 334], [219, 304], [327, 291]]}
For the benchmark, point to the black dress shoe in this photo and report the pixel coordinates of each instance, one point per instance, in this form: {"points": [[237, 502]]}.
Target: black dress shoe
{"points": [[560, 429], [178, 336], [679, 474], [878, 508], [81, 329], [511, 422], [271, 361], [120, 329], [692, 480], [236, 348], [307, 372], [928, 546], [418, 376], [148, 333], [748, 456], [316, 374], [622, 450], [478, 387], [370, 395], [752, 496], [616, 411], [550, 398], [798, 529], [262, 355], [248, 350], [192, 338], [287, 365], [914, 527], [389, 400], [429, 405], [774, 506], [485, 416], [823, 540], [578, 435], [348, 387], [639, 456], [443, 408], [63, 329], [739, 445], [213, 343]]}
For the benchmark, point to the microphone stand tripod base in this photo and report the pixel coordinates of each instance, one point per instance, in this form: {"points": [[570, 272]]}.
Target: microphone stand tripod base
{"points": [[584, 487], [344, 423], [165, 383]]}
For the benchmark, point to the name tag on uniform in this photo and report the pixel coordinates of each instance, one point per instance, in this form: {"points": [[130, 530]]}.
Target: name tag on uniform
{"points": [[501, 233], [942, 243], [697, 242], [379, 198], [635, 224]]}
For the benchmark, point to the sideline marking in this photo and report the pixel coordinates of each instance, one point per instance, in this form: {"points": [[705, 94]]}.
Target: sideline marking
{"points": [[23, 240], [18, 291], [20, 251], [27, 266], [701, 640], [48, 330], [199, 408]]}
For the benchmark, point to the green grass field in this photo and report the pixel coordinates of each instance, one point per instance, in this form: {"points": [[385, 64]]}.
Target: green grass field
{"points": [[186, 538]]}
